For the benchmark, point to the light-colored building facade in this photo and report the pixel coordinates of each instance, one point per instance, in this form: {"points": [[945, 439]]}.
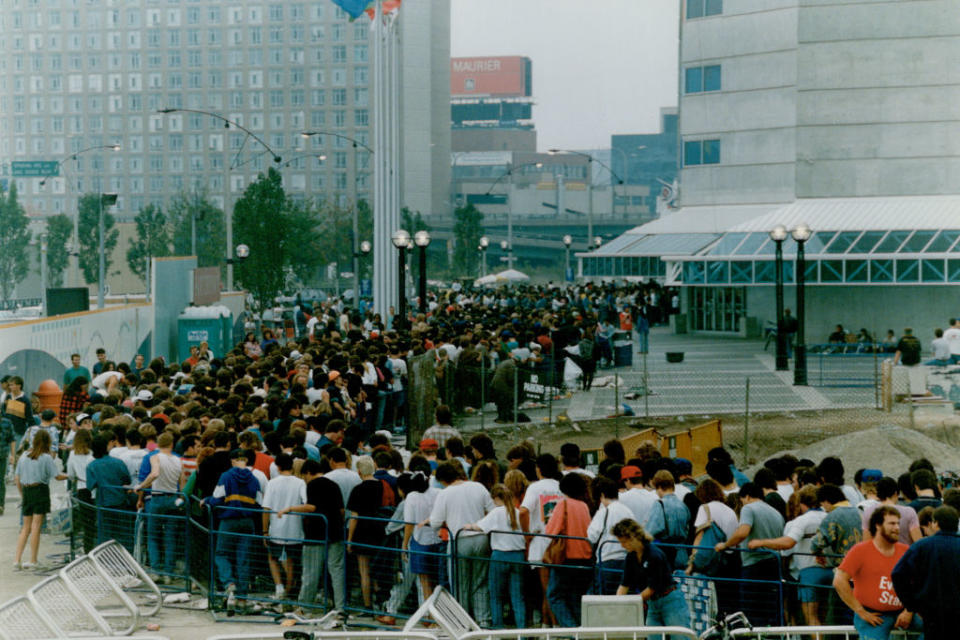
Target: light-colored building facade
{"points": [[75, 75]]}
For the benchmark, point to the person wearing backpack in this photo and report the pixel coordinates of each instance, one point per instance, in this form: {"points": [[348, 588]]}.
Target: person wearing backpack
{"points": [[589, 354], [715, 523], [669, 519]]}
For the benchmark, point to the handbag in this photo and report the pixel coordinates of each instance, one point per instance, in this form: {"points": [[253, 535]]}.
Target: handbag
{"points": [[707, 560], [556, 551]]}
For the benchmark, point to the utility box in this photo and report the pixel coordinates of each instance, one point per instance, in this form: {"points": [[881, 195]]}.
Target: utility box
{"points": [[213, 325]]}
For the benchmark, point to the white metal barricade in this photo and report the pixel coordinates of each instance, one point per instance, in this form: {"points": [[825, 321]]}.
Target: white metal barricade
{"points": [[102, 591], [828, 632], [71, 613], [444, 609], [116, 562], [330, 635], [20, 620]]}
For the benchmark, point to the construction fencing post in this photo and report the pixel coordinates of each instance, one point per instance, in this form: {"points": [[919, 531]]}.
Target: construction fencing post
{"points": [[646, 389], [483, 388], [516, 392], [746, 423]]}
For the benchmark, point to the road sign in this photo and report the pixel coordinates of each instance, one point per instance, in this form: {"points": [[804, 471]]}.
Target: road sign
{"points": [[35, 169]]}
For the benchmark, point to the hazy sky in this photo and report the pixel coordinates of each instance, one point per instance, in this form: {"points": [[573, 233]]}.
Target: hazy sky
{"points": [[599, 66]]}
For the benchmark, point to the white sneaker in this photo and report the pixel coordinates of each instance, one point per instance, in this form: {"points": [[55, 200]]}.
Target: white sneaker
{"points": [[279, 592], [231, 596]]}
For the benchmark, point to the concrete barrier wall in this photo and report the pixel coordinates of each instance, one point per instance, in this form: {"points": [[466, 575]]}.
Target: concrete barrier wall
{"points": [[40, 349]]}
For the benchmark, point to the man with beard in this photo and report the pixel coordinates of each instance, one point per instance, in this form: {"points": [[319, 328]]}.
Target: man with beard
{"points": [[869, 564]]}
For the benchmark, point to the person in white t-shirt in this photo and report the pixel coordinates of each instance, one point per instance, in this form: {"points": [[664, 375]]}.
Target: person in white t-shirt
{"points": [[134, 453], [636, 496], [506, 558], [539, 501], [423, 542], [462, 502], [340, 472], [952, 336], [285, 540], [713, 509], [609, 552]]}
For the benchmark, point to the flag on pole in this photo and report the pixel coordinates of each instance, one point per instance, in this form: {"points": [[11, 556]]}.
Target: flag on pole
{"points": [[388, 6], [354, 8]]}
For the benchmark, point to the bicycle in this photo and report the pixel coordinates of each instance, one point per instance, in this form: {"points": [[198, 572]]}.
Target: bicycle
{"points": [[769, 334], [335, 619], [723, 625]]}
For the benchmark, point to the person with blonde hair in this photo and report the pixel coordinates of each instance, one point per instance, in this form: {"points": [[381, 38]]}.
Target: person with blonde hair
{"points": [[35, 470], [648, 572]]}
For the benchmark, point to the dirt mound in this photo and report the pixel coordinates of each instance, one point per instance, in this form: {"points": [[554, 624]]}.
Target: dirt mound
{"points": [[888, 448]]}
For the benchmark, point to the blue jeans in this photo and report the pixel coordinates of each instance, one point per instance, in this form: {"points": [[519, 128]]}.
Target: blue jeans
{"points": [[568, 583], [506, 569], [668, 611], [644, 338], [866, 631], [162, 531], [234, 542], [4, 459]]}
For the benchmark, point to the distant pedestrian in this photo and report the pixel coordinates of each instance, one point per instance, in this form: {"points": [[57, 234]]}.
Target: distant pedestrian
{"points": [[908, 349], [35, 471]]}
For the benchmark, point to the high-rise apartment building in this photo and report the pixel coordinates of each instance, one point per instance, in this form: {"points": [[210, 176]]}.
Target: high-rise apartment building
{"points": [[76, 74]]}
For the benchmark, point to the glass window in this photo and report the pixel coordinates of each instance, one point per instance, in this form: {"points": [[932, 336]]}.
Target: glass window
{"points": [[892, 242], [693, 272], [810, 273], [857, 270], [711, 152], [818, 241], [727, 244], [908, 270], [694, 80], [943, 242], [831, 271], [717, 272], [751, 244], [867, 241], [711, 77], [917, 241], [842, 242], [692, 153], [932, 270], [953, 270], [881, 270], [741, 272]]}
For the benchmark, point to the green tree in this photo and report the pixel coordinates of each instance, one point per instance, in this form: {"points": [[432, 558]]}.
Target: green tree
{"points": [[152, 241], [14, 240], [467, 230], [59, 236], [211, 228], [89, 230], [412, 221], [284, 237], [336, 233]]}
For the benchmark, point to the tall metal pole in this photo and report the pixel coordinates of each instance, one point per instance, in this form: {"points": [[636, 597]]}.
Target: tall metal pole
{"points": [[781, 361], [510, 222], [401, 293], [423, 280], [590, 198], [228, 221], [354, 241], [75, 254], [800, 356], [43, 274], [101, 267]]}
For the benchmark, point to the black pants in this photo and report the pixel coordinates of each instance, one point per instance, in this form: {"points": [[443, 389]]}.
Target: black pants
{"points": [[760, 598]]}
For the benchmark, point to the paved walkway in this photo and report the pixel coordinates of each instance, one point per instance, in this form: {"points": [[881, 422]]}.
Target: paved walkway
{"points": [[712, 379]]}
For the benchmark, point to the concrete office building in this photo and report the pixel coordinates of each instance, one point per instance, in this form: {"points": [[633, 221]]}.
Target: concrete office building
{"points": [[841, 115], [75, 75]]}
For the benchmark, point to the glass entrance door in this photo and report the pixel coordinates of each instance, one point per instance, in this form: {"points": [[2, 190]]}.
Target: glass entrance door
{"points": [[717, 308]]}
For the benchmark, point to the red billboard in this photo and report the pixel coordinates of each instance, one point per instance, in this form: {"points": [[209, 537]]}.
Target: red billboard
{"points": [[490, 77]]}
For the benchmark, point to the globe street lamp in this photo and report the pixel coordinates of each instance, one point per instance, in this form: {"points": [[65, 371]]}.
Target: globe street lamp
{"points": [[597, 241], [567, 241], [400, 239], [422, 240], [484, 245], [801, 233], [778, 234], [506, 247]]}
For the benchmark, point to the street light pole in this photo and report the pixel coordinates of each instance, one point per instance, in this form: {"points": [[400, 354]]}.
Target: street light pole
{"points": [[778, 235], [567, 241], [801, 234], [484, 245], [422, 240], [108, 199], [400, 239]]}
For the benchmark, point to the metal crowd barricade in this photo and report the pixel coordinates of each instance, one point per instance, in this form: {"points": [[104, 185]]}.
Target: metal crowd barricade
{"points": [[117, 563], [69, 612], [330, 635], [446, 612], [20, 620], [106, 596]]}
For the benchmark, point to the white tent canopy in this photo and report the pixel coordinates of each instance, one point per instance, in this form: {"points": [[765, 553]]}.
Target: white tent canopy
{"points": [[510, 276]]}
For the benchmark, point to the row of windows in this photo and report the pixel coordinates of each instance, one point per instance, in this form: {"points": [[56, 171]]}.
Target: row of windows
{"points": [[844, 242], [213, 14], [702, 8], [875, 271], [697, 152], [646, 266], [701, 79]]}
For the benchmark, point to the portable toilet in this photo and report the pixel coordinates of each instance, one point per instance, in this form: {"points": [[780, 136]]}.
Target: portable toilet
{"points": [[213, 325]]}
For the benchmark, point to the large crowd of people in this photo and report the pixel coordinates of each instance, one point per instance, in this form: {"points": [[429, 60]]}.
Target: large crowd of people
{"points": [[290, 441]]}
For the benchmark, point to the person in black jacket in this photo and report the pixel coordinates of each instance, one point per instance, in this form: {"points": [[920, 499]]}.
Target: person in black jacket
{"points": [[927, 577]]}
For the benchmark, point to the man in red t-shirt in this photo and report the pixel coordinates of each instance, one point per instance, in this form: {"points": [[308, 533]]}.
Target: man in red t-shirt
{"points": [[869, 564]]}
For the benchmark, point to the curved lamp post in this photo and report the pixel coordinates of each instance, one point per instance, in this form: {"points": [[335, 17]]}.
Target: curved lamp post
{"points": [[801, 233], [778, 234], [422, 240], [567, 241], [509, 174], [484, 245], [590, 161], [401, 239]]}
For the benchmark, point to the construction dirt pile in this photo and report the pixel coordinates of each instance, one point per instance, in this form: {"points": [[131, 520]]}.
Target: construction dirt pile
{"points": [[888, 448]]}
